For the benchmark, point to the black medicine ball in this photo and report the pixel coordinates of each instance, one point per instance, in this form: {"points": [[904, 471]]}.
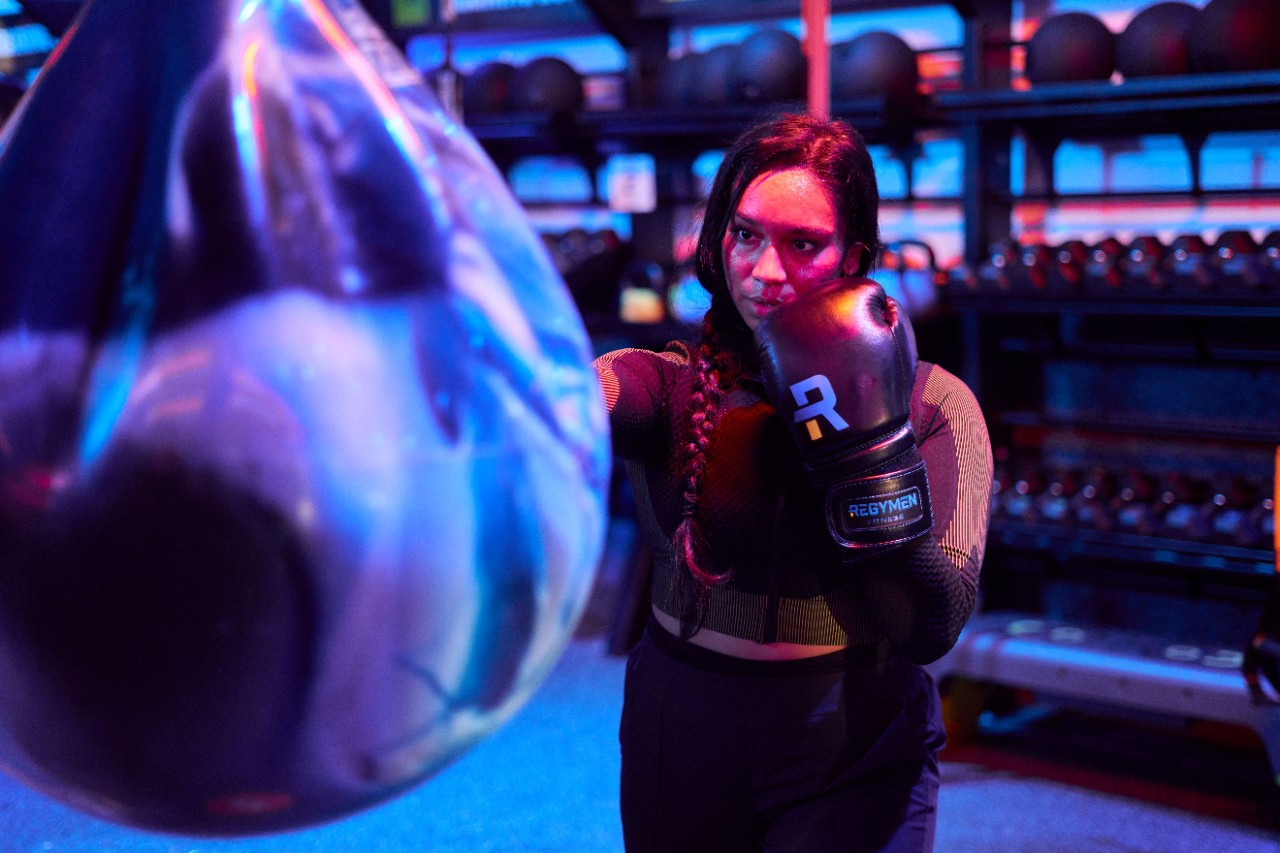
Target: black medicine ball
{"points": [[873, 64], [714, 84], [547, 84], [1236, 35], [769, 66], [1154, 44], [678, 79], [487, 89], [1071, 47]]}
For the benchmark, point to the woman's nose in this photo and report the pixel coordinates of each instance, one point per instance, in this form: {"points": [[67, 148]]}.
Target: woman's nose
{"points": [[768, 268]]}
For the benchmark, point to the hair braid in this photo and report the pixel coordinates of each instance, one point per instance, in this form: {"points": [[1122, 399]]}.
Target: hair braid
{"points": [[716, 365]]}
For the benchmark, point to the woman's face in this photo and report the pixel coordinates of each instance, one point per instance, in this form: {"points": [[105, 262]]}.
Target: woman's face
{"points": [[783, 239]]}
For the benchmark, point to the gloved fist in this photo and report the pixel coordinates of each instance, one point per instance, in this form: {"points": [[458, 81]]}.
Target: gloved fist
{"points": [[838, 363]]}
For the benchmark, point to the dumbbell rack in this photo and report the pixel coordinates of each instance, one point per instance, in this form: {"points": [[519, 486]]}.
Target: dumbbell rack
{"points": [[1019, 349]]}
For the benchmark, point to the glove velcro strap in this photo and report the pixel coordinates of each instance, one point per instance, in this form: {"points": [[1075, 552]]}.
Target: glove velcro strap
{"points": [[855, 458], [885, 510]]}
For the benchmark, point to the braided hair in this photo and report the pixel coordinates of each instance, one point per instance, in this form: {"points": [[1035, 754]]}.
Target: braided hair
{"points": [[838, 157]]}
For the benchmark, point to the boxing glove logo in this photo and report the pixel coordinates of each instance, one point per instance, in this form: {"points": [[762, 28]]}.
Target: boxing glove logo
{"points": [[823, 407], [886, 510]]}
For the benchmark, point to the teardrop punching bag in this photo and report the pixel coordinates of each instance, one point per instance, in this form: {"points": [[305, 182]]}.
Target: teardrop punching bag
{"points": [[302, 459]]}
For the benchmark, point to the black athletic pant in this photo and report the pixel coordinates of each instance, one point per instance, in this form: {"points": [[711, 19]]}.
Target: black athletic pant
{"points": [[836, 753]]}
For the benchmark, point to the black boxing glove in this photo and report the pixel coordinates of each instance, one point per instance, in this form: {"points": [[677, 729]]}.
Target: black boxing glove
{"points": [[838, 363]]}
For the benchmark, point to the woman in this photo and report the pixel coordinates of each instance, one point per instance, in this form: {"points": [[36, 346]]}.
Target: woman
{"points": [[777, 700]]}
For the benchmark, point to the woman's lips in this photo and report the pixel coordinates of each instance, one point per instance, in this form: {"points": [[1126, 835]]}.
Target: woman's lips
{"points": [[763, 307]]}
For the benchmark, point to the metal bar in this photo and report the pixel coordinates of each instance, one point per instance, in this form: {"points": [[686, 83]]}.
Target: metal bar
{"points": [[814, 15]]}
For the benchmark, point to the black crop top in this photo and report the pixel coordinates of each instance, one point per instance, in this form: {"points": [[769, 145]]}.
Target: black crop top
{"points": [[764, 523]]}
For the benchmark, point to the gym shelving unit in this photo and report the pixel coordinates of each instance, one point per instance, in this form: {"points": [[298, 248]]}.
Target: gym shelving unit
{"points": [[1099, 614], [1137, 620]]}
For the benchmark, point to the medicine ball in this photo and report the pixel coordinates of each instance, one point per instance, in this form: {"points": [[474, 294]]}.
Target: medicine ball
{"points": [[1154, 44], [873, 64], [768, 66], [547, 84], [677, 80], [1071, 47], [487, 89], [714, 86], [1235, 35]]}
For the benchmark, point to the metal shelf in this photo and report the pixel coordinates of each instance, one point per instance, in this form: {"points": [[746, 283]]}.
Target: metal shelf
{"points": [[1216, 304], [681, 127], [1154, 552], [1230, 97], [1140, 426]]}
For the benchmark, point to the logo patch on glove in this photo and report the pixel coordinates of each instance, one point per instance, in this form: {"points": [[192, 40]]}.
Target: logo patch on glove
{"points": [[823, 407], [885, 510]]}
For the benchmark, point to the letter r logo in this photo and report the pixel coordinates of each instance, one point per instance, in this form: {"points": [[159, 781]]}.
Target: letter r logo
{"points": [[824, 406]]}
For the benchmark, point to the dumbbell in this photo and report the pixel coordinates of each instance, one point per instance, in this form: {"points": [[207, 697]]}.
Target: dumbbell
{"points": [[1142, 267], [1270, 251], [574, 246], [551, 241], [1102, 267], [1066, 267], [962, 277], [1018, 503], [1238, 514], [1030, 272], [1264, 520], [995, 273], [1089, 505], [1237, 261], [915, 266], [1135, 507], [1053, 505], [1001, 478], [1183, 517], [1188, 264]]}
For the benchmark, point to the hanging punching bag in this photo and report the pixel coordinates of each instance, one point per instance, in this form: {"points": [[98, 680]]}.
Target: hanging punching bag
{"points": [[302, 459]]}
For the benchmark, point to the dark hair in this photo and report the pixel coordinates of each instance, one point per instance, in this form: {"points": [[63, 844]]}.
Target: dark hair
{"points": [[831, 149], [838, 156]]}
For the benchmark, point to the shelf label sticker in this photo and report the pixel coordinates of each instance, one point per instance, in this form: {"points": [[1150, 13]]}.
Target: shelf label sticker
{"points": [[632, 187], [410, 13]]}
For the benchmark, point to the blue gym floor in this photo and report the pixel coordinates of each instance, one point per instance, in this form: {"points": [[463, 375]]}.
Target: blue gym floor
{"points": [[547, 782]]}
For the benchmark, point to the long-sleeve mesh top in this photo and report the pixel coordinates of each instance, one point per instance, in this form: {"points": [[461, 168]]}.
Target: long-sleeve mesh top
{"points": [[764, 523]]}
